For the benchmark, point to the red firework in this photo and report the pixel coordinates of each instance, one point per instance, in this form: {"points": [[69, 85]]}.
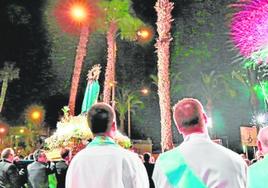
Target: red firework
{"points": [[72, 15]]}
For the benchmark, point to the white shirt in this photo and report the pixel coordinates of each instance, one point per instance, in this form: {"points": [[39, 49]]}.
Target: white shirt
{"points": [[215, 165], [104, 166]]}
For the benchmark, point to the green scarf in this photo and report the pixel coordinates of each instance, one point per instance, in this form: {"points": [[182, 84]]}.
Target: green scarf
{"points": [[177, 171]]}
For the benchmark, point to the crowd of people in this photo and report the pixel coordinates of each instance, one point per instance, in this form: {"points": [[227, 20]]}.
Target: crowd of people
{"points": [[197, 162]]}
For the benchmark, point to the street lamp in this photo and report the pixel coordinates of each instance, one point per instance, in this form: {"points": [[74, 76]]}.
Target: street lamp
{"points": [[145, 34], [131, 96], [35, 114], [3, 131]]}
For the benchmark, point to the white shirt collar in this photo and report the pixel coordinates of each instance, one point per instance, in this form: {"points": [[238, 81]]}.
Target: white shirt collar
{"points": [[195, 136]]}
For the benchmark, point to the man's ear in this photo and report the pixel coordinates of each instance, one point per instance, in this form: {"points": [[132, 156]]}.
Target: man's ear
{"points": [[259, 146], [113, 127]]}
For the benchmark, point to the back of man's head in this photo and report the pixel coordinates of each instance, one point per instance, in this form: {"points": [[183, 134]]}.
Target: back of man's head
{"points": [[100, 118], [189, 116], [6, 153], [263, 140], [146, 157], [64, 153]]}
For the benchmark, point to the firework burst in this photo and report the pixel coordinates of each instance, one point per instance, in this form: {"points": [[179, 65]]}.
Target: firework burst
{"points": [[249, 29]]}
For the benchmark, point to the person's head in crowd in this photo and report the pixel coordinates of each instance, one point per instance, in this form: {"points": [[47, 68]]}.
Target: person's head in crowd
{"points": [[30, 156], [8, 154], [40, 156], [65, 154], [189, 116], [263, 141], [147, 157], [101, 120]]}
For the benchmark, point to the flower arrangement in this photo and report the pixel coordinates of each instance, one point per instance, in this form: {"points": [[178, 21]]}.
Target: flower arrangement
{"points": [[69, 131], [74, 132]]}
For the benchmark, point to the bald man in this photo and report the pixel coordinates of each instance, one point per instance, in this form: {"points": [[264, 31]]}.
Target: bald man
{"points": [[198, 162], [258, 172]]}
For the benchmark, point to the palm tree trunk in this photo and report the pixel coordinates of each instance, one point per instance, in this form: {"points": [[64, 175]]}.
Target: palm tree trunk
{"points": [[122, 125], [164, 19], [111, 59], [3, 92], [80, 55]]}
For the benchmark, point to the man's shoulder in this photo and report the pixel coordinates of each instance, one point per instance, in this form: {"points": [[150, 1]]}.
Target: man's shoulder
{"points": [[170, 153], [6, 165], [35, 164], [259, 166]]}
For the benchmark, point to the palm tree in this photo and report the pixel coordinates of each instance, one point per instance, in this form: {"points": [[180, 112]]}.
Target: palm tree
{"points": [[126, 102], [8, 73], [250, 77], [78, 64], [77, 17], [164, 19], [118, 18]]}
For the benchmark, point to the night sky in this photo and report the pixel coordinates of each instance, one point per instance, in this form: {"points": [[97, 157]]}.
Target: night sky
{"points": [[200, 45]]}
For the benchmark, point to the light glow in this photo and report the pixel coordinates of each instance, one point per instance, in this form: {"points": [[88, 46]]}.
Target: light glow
{"points": [[35, 115], [145, 91], [145, 34], [78, 13], [2, 130]]}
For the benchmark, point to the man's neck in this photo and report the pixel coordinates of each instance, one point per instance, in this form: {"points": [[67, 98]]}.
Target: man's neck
{"points": [[185, 134]]}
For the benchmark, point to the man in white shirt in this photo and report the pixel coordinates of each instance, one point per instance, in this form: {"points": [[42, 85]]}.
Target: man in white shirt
{"points": [[198, 162], [103, 163], [258, 172]]}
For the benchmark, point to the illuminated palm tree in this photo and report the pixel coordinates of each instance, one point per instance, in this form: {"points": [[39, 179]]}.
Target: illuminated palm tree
{"points": [[77, 16], [118, 18], [126, 102], [164, 19], [8, 73]]}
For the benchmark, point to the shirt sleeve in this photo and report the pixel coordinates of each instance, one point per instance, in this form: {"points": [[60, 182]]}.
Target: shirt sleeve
{"points": [[134, 173], [69, 177], [159, 178]]}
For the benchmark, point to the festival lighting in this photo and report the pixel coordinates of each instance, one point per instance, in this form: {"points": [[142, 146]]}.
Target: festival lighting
{"points": [[145, 91], [3, 129], [22, 131], [72, 15], [261, 119], [249, 29], [78, 13], [35, 114], [145, 34]]}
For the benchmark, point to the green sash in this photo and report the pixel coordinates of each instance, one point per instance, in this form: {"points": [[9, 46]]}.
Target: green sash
{"points": [[177, 171], [102, 140], [258, 174], [52, 181], [91, 95]]}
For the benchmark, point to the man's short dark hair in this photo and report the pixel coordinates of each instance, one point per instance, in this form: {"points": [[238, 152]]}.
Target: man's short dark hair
{"points": [[64, 153], [146, 157], [100, 118]]}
